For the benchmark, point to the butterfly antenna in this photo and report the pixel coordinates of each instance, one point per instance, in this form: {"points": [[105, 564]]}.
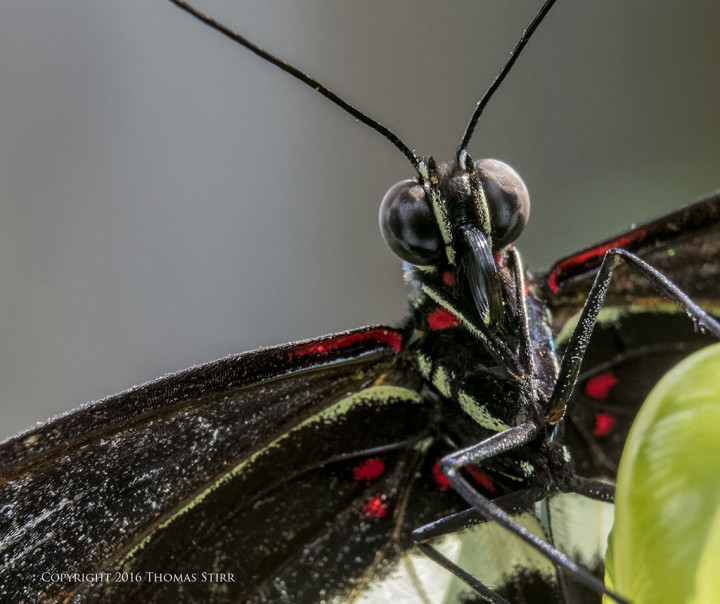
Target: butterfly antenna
{"points": [[306, 79], [480, 107]]}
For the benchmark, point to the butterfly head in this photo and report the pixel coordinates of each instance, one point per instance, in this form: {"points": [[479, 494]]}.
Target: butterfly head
{"points": [[456, 218]]}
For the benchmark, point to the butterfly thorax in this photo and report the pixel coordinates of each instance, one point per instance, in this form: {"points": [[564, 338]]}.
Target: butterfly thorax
{"points": [[483, 389]]}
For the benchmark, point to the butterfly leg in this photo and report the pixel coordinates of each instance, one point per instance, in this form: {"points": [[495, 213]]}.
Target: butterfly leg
{"points": [[503, 442], [592, 489], [489, 595], [512, 503], [575, 351]]}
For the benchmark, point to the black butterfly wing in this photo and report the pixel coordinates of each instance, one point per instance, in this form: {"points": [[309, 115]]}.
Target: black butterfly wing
{"points": [[684, 245], [630, 350], [639, 336], [263, 467], [166, 393]]}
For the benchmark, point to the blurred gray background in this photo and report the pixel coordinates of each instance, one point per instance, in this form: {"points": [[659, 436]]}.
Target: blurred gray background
{"points": [[166, 198]]}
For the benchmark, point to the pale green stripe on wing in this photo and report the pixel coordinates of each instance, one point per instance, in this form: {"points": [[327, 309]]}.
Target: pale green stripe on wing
{"points": [[378, 394]]}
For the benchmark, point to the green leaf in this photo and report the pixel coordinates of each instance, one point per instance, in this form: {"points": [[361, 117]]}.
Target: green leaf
{"points": [[665, 543]]}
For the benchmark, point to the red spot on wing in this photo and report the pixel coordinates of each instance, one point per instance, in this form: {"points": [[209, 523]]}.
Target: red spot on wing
{"points": [[604, 424], [599, 386], [566, 266], [482, 480], [499, 260], [376, 507], [384, 336], [439, 477], [442, 319], [448, 278], [368, 470], [526, 290]]}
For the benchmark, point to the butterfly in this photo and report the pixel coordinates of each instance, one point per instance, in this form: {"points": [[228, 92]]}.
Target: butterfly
{"points": [[355, 345]]}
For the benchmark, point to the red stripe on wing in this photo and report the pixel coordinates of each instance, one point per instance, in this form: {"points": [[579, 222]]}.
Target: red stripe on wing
{"points": [[383, 336], [565, 267]]}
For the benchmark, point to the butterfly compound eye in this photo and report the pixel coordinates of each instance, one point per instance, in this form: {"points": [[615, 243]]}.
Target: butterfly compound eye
{"points": [[408, 224], [508, 200]]}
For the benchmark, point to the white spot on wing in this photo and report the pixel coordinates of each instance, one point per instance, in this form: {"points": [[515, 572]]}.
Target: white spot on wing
{"points": [[580, 526], [487, 551]]}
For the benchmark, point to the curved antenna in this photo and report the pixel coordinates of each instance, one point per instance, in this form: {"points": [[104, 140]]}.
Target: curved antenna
{"points": [[479, 108], [306, 79]]}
